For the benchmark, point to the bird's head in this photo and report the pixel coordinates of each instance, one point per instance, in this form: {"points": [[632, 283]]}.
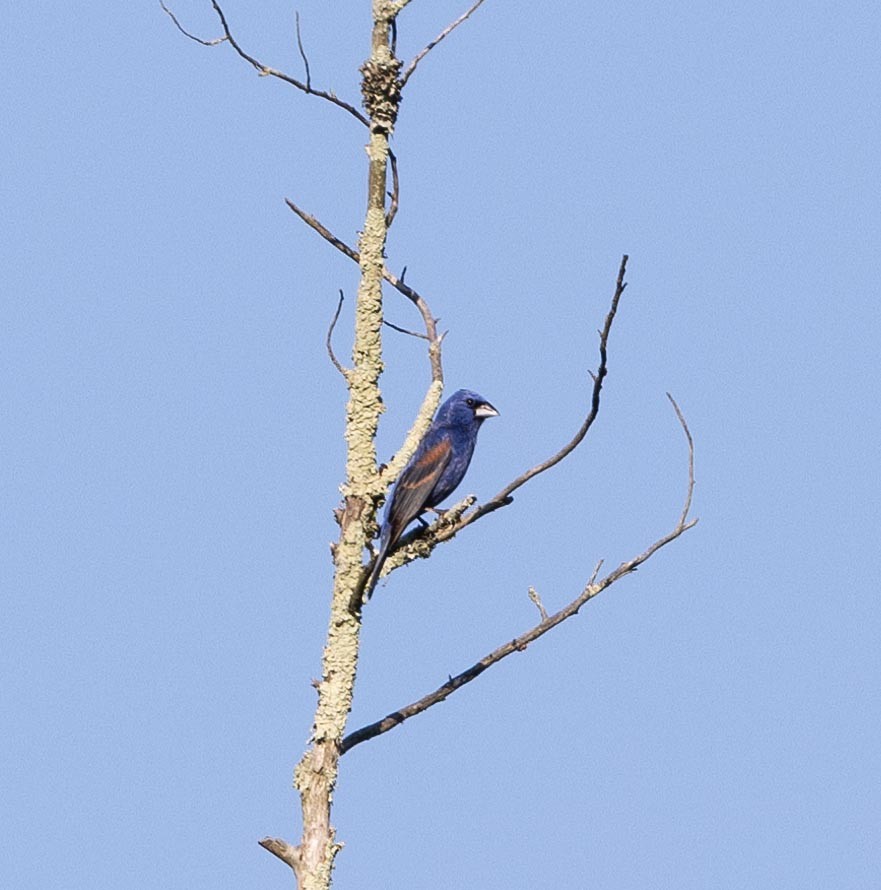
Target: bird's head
{"points": [[465, 408]]}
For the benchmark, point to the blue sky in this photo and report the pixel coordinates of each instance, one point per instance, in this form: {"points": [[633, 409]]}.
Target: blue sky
{"points": [[171, 451]]}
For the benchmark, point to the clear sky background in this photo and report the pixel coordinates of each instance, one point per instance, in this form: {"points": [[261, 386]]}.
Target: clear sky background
{"points": [[171, 446]]}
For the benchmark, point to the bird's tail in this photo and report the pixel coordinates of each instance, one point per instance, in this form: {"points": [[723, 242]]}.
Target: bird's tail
{"points": [[377, 567]]}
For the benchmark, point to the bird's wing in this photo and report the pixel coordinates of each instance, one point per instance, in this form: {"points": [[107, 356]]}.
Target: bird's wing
{"points": [[416, 483]]}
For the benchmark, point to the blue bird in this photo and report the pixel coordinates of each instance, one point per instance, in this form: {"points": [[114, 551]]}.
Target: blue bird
{"points": [[434, 472]]}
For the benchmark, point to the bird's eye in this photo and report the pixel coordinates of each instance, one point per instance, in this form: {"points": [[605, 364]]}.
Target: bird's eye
{"points": [[469, 403]]}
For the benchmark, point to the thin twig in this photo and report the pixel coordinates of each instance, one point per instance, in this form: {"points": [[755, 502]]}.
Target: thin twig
{"points": [[303, 52], [186, 33], [330, 352], [411, 67], [395, 193], [325, 233], [401, 330], [518, 644], [532, 593], [687, 506], [435, 340]]}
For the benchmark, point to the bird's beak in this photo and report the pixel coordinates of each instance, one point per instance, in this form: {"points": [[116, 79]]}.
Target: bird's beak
{"points": [[484, 409]]}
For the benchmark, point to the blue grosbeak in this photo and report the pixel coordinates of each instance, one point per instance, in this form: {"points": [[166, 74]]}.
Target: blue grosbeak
{"points": [[437, 467]]}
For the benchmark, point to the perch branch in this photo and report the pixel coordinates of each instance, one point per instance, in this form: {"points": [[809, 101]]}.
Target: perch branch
{"points": [[518, 644], [428, 539], [411, 67]]}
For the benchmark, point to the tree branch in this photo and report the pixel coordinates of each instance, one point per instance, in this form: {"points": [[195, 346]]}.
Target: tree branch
{"points": [[265, 70], [325, 233], [284, 851], [435, 340], [411, 67], [520, 643]]}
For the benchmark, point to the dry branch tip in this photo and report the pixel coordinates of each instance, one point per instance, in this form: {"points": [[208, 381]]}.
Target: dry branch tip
{"points": [[411, 67], [302, 51], [536, 599], [214, 42], [329, 341]]}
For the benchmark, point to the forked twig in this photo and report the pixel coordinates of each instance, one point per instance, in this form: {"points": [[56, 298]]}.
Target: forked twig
{"points": [[265, 70], [518, 644], [411, 67]]}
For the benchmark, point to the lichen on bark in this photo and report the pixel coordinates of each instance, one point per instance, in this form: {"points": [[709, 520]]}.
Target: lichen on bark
{"points": [[316, 773]]}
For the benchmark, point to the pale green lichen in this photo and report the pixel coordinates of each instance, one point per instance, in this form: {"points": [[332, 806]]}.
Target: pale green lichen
{"points": [[423, 546], [316, 773]]}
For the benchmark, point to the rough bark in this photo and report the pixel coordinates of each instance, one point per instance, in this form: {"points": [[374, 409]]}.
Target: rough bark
{"points": [[316, 774]]}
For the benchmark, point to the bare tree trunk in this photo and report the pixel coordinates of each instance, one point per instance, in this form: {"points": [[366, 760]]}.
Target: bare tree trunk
{"points": [[316, 773]]}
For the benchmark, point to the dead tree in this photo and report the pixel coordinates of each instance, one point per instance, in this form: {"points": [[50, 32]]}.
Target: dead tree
{"points": [[383, 77]]}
